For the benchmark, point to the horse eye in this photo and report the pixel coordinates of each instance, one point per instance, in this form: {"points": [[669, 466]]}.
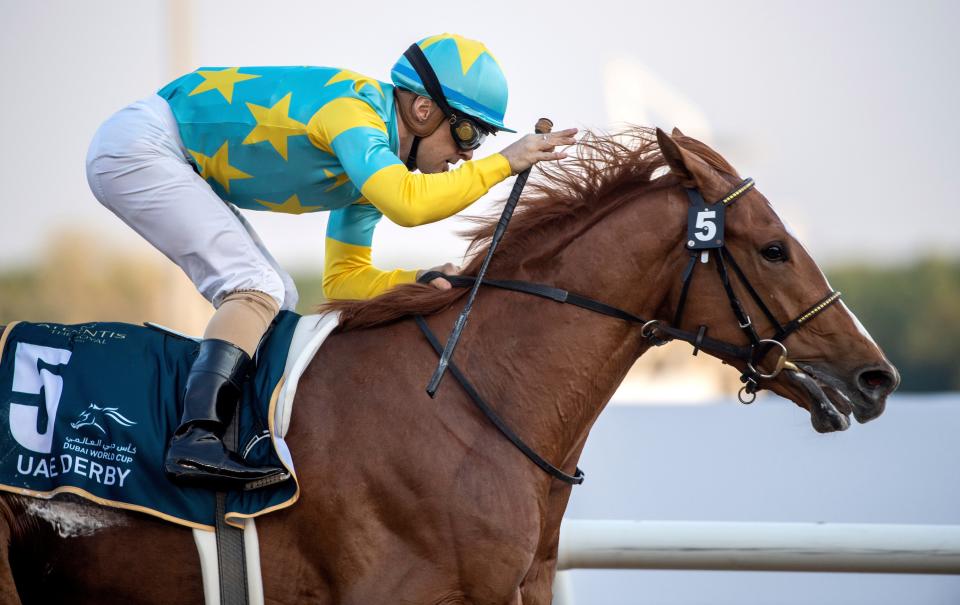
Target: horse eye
{"points": [[775, 252]]}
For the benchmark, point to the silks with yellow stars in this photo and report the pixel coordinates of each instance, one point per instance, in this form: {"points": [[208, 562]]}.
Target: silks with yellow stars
{"points": [[309, 139]]}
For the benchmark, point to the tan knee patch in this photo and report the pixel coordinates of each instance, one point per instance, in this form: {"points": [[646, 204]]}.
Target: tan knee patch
{"points": [[242, 319]]}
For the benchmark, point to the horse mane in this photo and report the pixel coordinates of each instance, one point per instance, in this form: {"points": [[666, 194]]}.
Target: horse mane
{"points": [[567, 197]]}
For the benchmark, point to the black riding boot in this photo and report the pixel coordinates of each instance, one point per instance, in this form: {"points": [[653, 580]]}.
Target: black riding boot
{"points": [[197, 455]]}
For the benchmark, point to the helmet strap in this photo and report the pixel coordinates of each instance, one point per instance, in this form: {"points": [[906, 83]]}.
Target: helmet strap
{"points": [[412, 158], [428, 77], [404, 102]]}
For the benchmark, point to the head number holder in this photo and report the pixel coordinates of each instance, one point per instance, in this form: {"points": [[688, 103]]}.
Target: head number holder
{"points": [[704, 223]]}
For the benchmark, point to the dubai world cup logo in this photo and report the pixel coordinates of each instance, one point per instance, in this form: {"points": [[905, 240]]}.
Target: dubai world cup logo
{"points": [[98, 417]]}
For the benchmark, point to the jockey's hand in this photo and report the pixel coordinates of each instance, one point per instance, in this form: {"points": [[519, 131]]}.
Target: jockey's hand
{"points": [[534, 148], [440, 283]]}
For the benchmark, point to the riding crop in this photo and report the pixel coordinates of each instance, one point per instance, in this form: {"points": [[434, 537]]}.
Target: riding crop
{"points": [[543, 126]]}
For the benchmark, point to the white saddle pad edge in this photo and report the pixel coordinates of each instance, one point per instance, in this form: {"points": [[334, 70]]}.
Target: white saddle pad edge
{"points": [[309, 334]]}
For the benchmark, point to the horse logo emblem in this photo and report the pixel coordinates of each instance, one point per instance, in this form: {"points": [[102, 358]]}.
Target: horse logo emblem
{"points": [[96, 416]]}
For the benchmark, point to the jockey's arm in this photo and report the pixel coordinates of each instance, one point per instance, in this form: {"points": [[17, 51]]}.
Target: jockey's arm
{"points": [[353, 131], [348, 272]]}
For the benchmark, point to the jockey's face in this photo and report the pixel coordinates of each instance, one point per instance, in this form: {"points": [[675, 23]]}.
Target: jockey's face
{"points": [[438, 151]]}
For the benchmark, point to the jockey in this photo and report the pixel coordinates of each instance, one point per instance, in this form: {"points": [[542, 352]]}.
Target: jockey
{"points": [[177, 166]]}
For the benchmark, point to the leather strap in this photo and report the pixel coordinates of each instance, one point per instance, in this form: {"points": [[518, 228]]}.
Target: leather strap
{"points": [[428, 77], [701, 333], [411, 162], [542, 290], [562, 296], [492, 416], [753, 293], [807, 315], [687, 278], [231, 559], [743, 320]]}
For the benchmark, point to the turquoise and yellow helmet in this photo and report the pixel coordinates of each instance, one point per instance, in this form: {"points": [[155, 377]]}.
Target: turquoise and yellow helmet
{"points": [[470, 77]]}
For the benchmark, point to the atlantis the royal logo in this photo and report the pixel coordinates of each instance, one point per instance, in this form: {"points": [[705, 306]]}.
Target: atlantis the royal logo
{"points": [[97, 416]]}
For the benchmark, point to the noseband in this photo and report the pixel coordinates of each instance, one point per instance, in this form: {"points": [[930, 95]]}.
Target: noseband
{"points": [[705, 234]]}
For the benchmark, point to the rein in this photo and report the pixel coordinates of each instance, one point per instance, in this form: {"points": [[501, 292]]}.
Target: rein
{"points": [[654, 330], [574, 479]]}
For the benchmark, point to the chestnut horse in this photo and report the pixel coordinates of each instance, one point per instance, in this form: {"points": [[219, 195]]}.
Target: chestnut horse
{"points": [[408, 499]]}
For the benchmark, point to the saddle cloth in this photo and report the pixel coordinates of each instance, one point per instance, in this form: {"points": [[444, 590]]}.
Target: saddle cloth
{"points": [[88, 409]]}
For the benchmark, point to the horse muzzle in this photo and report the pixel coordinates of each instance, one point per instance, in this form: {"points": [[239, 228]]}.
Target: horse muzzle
{"points": [[831, 400]]}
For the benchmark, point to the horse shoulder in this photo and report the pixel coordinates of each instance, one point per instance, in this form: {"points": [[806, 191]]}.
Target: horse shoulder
{"points": [[380, 463]]}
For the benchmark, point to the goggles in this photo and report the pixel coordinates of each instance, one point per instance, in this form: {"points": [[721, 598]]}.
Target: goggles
{"points": [[468, 133]]}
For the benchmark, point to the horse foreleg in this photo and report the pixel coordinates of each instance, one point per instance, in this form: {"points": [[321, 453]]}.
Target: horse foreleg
{"points": [[537, 585]]}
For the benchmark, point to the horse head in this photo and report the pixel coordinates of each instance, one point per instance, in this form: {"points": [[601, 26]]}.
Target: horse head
{"points": [[829, 365]]}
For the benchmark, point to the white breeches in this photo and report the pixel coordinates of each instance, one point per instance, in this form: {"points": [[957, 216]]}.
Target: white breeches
{"points": [[137, 167]]}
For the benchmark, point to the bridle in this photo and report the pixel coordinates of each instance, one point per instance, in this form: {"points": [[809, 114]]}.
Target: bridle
{"points": [[702, 239], [757, 349]]}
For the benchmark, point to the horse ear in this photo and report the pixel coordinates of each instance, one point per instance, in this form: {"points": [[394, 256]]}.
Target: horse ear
{"points": [[676, 132], [675, 160], [690, 168]]}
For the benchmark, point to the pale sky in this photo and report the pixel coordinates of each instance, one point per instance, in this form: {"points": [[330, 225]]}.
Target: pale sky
{"points": [[844, 112]]}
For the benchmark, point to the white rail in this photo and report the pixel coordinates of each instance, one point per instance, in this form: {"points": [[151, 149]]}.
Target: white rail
{"points": [[760, 546], [833, 547]]}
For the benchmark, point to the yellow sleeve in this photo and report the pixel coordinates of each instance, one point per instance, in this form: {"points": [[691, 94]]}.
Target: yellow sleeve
{"points": [[352, 130], [410, 199], [348, 273]]}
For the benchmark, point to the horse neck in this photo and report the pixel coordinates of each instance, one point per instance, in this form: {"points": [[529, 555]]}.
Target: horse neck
{"points": [[550, 368]]}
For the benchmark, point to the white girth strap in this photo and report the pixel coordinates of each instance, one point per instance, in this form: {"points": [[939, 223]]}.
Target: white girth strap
{"points": [[207, 549]]}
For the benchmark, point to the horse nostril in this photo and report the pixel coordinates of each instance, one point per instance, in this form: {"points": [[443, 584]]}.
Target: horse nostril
{"points": [[877, 383]]}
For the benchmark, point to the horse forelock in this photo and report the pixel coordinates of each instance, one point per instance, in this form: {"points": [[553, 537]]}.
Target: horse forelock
{"points": [[608, 171]]}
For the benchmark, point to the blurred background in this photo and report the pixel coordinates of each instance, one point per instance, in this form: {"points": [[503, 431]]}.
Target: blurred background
{"points": [[844, 113]]}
